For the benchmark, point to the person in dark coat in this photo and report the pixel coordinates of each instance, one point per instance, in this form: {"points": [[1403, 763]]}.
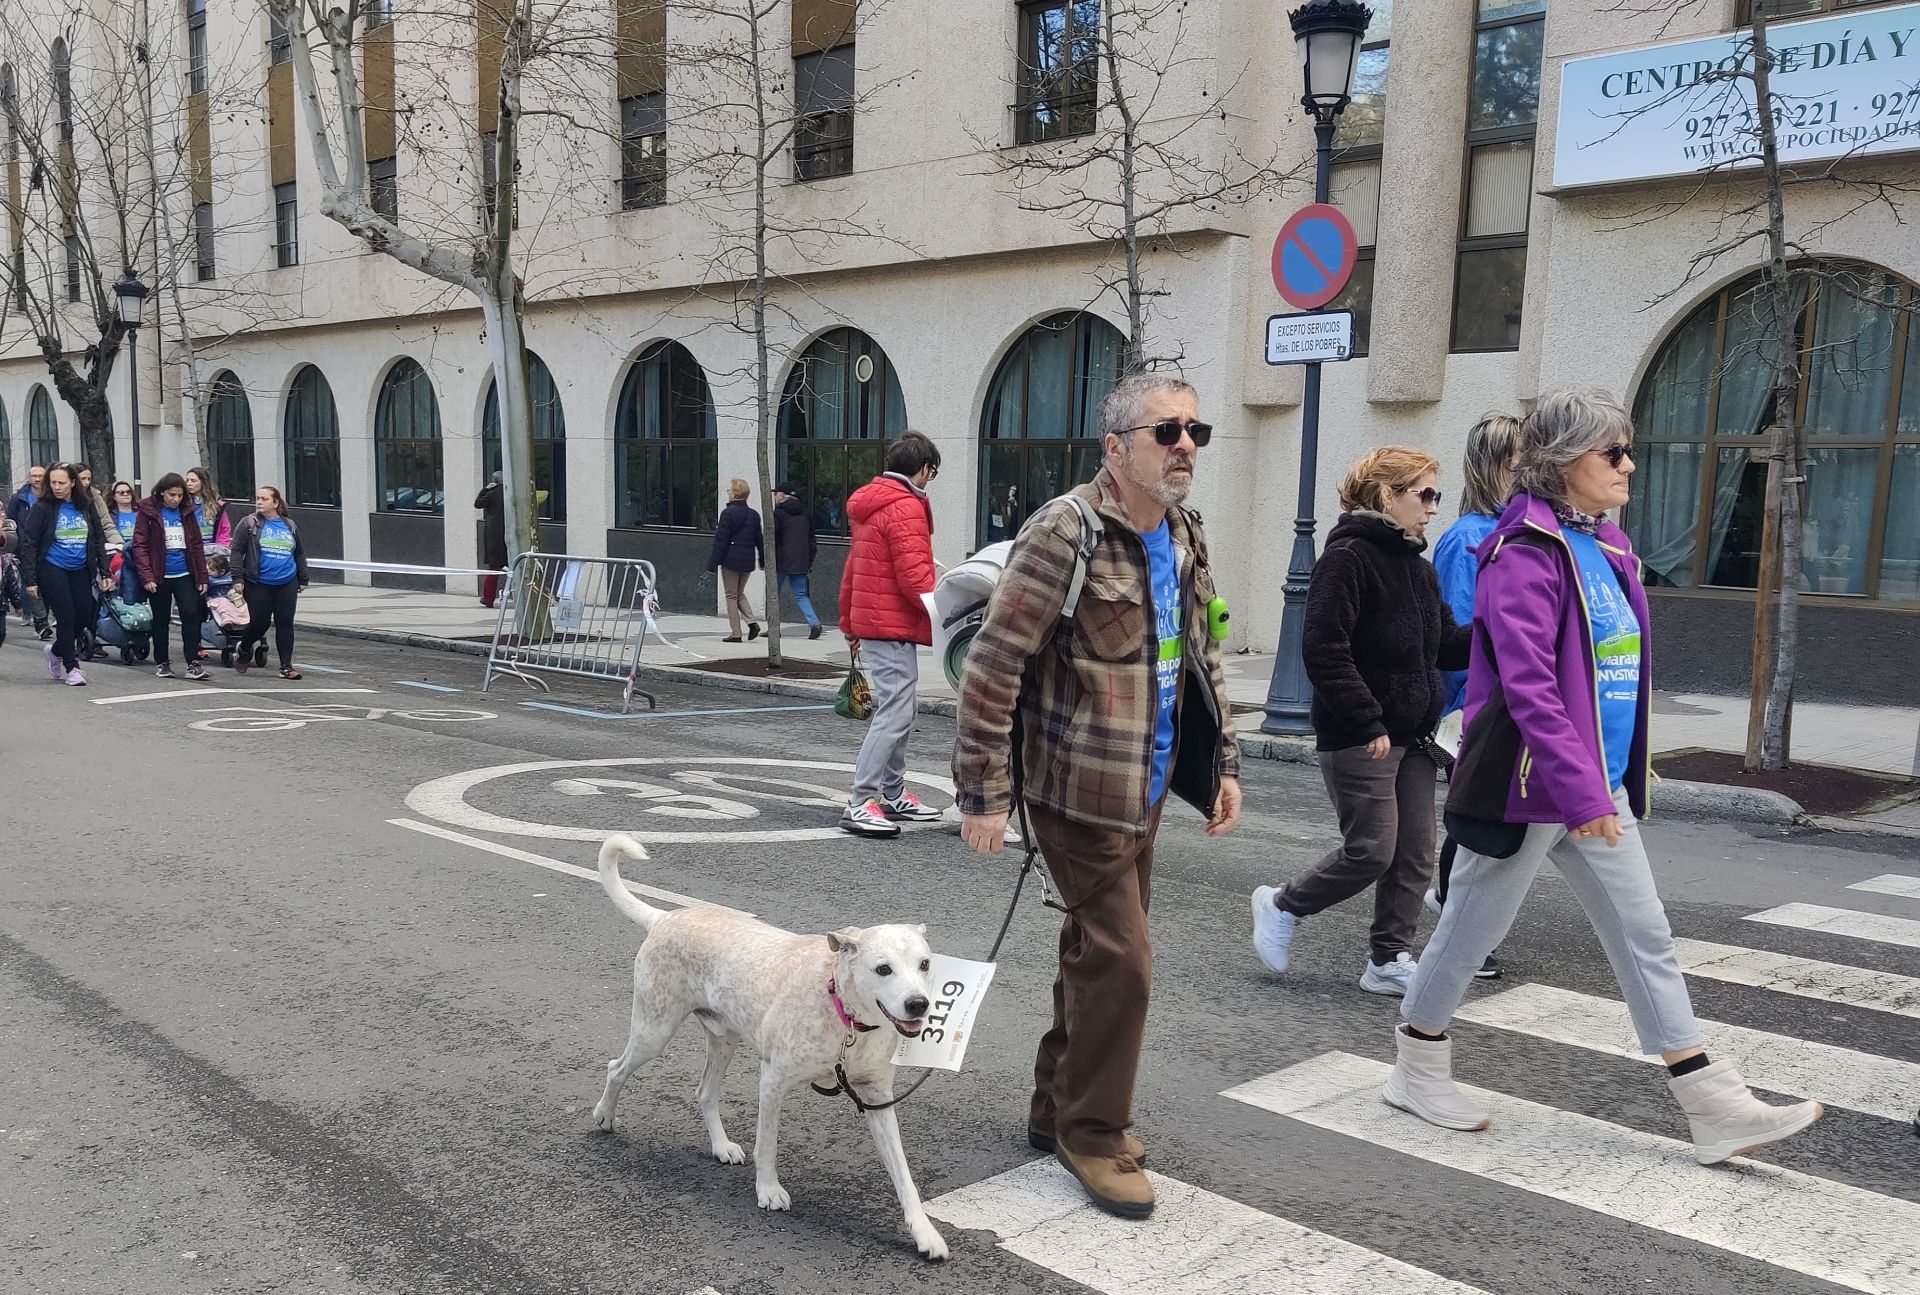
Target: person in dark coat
{"points": [[492, 503], [1376, 638], [18, 506], [63, 554], [739, 548], [794, 548]]}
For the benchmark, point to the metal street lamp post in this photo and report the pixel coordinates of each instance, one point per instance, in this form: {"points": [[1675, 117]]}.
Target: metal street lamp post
{"points": [[1328, 34], [130, 300]]}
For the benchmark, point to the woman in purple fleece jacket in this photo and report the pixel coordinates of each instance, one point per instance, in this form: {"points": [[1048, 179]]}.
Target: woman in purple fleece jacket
{"points": [[1555, 763]]}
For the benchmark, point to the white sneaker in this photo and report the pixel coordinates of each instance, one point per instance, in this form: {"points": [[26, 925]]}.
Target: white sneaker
{"points": [[1727, 1120], [868, 818], [1390, 979], [75, 679], [57, 670], [1272, 929], [908, 808], [1422, 1084], [1433, 901]]}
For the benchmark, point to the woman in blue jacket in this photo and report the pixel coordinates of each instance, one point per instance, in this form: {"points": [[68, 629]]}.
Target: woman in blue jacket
{"points": [[1492, 447]]}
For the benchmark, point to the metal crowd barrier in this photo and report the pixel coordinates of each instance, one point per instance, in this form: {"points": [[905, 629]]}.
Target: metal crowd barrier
{"points": [[581, 616]]}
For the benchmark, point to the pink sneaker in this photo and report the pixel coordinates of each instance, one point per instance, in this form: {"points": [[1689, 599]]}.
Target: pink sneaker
{"points": [[54, 668], [75, 679]]}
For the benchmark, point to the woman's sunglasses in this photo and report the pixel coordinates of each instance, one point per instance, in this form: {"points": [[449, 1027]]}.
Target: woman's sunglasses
{"points": [[1168, 432], [1430, 497], [1615, 455]]}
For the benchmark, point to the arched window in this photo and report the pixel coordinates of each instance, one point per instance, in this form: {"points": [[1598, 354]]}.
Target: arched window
{"points": [[406, 443], [1705, 410], [6, 453], [230, 437], [666, 458], [312, 429], [43, 433], [549, 439], [1040, 424], [842, 399]]}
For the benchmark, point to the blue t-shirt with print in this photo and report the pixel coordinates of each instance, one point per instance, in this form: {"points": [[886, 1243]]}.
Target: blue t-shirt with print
{"points": [[69, 548], [1163, 579], [176, 531], [1616, 650], [276, 552], [126, 521]]}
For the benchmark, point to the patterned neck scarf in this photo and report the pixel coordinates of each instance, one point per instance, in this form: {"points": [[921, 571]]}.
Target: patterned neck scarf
{"points": [[1579, 521]]}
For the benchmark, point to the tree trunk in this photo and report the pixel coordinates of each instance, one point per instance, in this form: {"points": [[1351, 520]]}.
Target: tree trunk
{"points": [[1129, 220], [86, 396], [1777, 587], [763, 392]]}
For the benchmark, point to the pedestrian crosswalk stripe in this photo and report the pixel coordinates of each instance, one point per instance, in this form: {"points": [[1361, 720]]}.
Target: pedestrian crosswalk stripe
{"points": [[1858, 1081], [1830, 982], [1891, 883], [1197, 1242], [1841, 1234], [1844, 921]]}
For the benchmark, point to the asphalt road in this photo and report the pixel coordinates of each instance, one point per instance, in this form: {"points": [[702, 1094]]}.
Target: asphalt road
{"points": [[257, 1035]]}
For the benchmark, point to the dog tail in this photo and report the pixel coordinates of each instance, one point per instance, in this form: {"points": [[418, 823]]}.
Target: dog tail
{"points": [[623, 899]]}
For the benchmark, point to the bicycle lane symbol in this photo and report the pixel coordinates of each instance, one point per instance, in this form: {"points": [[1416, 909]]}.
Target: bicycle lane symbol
{"points": [[280, 719]]}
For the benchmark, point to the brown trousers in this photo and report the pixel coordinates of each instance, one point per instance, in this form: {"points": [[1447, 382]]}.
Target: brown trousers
{"points": [[1083, 1077]]}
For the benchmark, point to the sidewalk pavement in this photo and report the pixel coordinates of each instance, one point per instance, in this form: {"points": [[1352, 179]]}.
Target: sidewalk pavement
{"points": [[1881, 739]]}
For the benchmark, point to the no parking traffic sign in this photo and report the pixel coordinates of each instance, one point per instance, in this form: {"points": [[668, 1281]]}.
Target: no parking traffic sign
{"points": [[1313, 257]]}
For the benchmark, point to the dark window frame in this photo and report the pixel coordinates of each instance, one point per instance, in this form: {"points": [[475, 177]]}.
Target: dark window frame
{"points": [[680, 456], [643, 151], [310, 425], [1048, 107], [197, 57], [549, 438], [204, 267], [864, 423], [230, 442], [1465, 246], [286, 225], [1743, 14], [72, 245], [279, 41], [823, 126], [409, 448], [375, 14], [43, 428], [383, 187]]}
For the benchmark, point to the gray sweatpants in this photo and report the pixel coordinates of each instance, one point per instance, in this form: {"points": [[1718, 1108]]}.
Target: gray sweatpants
{"points": [[1615, 887], [894, 670]]}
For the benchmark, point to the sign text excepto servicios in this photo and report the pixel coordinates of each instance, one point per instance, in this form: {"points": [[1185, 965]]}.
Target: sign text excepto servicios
{"points": [[1311, 338], [1844, 84]]}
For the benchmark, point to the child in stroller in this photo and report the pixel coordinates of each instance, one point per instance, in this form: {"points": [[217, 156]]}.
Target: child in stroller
{"points": [[122, 624], [226, 611]]}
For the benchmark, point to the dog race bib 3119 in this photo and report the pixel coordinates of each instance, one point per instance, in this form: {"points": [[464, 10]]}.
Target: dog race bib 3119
{"points": [[959, 987]]}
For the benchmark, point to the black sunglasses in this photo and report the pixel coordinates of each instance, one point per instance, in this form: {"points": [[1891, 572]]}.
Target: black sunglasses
{"points": [[1430, 497], [1616, 454], [1167, 432]]}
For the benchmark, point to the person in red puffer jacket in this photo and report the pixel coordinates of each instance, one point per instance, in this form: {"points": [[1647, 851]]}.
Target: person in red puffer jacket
{"points": [[888, 569]]}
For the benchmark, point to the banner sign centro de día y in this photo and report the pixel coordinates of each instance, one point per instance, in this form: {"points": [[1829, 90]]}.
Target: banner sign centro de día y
{"points": [[1842, 85]]}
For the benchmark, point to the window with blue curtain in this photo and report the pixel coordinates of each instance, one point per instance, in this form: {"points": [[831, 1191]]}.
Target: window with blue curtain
{"points": [[1705, 415], [1040, 427], [312, 428], [666, 461], [407, 450], [841, 401], [549, 440], [230, 438]]}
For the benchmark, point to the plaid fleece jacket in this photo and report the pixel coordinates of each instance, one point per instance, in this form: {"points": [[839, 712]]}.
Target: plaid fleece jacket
{"points": [[1084, 688]]}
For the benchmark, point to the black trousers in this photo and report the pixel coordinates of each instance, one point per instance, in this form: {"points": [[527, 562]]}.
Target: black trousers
{"points": [[69, 596], [275, 603], [177, 591]]}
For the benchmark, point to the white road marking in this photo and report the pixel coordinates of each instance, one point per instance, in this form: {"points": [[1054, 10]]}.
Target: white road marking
{"points": [[445, 800], [555, 865], [1851, 1237], [1829, 982], [1891, 883], [1844, 921], [430, 687], [1197, 1243], [213, 691], [1858, 1081]]}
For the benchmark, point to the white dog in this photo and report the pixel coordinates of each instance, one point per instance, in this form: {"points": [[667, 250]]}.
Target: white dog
{"points": [[805, 1002]]}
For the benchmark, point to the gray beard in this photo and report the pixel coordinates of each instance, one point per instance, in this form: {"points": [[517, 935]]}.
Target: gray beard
{"points": [[1168, 492]]}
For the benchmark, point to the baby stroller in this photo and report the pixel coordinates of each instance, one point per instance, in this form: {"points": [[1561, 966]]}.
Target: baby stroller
{"points": [[226, 612], [123, 624]]}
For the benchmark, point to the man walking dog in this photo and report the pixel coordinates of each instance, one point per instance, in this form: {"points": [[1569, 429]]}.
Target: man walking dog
{"points": [[1116, 704]]}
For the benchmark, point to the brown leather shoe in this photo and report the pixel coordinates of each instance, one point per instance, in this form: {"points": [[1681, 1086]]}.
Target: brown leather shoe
{"points": [[1117, 1184], [1043, 1140]]}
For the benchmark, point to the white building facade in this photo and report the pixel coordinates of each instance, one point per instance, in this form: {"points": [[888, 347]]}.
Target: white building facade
{"points": [[1490, 270]]}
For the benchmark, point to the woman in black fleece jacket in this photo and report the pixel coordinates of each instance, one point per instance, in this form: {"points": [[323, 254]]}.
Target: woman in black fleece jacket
{"points": [[1378, 633]]}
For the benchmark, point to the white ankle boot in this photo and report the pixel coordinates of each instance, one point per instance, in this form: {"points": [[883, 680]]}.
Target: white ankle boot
{"points": [[1422, 1082], [1727, 1120]]}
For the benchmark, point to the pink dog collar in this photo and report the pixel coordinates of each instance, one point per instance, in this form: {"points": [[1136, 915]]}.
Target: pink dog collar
{"points": [[846, 1017]]}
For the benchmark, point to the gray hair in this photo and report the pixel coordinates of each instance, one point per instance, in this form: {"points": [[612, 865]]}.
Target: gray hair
{"points": [[1120, 407], [1563, 427], [1488, 465]]}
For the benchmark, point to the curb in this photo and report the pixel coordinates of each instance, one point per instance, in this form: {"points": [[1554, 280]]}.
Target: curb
{"points": [[1670, 795]]}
